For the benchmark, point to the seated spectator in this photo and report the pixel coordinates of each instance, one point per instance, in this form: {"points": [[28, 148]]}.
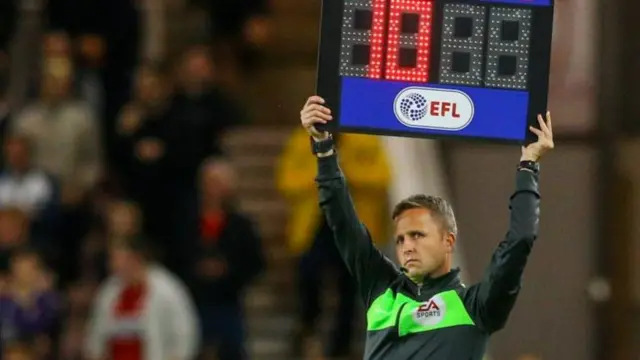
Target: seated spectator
{"points": [[29, 189], [225, 258], [29, 308], [14, 233], [141, 311]]}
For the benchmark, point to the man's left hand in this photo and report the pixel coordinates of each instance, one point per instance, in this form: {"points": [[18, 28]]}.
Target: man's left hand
{"points": [[534, 151]]}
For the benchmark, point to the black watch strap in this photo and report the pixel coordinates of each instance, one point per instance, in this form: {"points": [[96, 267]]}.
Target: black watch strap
{"points": [[528, 165], [322, 146]]}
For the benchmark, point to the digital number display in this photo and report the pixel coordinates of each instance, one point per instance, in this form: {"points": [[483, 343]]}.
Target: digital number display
{"points": [[433, 68]]}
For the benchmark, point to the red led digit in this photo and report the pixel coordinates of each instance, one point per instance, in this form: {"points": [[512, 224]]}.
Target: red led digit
{"points": [[419, 72], [376, 40]]}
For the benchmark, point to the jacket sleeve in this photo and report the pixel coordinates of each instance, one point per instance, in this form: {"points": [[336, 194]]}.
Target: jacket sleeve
{"points": [[371, 269], [494, 297]]}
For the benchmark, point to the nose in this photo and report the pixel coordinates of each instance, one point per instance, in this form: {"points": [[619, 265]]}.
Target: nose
{"points": [[407, 248]]}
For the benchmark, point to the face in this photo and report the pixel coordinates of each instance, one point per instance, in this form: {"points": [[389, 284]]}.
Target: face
{"points": [[422, 245], [197, 70], [13, 228], [56, 44], [123, 220], [149, 87], [17, 153], [25, 269], [217, 182]]}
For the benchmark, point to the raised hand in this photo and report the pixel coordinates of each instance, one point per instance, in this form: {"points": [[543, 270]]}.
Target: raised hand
{"points": [[314, 112], [535, 150]]}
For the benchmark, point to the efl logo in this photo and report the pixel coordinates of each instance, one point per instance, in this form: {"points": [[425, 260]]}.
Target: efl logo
{"points": [[430, 108], [431, 312]]}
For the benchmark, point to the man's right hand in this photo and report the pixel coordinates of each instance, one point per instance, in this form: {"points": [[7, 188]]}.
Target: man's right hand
{"points": [[314, 112]]}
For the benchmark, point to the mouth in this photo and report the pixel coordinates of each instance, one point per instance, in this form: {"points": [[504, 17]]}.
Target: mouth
{"points": [[410, 262]]}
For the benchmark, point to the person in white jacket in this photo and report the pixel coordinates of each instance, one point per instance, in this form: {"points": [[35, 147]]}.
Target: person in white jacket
{"points": [[141, 312]]}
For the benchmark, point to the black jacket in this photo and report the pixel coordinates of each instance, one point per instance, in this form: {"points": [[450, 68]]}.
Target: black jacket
{"points": [[441, 319], [240, 247]]}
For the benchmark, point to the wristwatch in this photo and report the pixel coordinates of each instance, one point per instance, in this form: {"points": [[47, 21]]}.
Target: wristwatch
{"points": [[528, 165], [322, 146]]}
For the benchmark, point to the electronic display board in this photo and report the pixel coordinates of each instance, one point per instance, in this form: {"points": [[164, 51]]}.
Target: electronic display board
{"points": [[436, 68]]}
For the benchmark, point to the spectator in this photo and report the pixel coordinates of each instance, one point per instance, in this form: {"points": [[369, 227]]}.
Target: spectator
{"points": [[29, 189], [239, 30], [311, 238], [224, 259], [66, 143], [121, 220], [142, 311], [14, 233], [29, 308], [141, 146], [115, 24], [199, 115]]}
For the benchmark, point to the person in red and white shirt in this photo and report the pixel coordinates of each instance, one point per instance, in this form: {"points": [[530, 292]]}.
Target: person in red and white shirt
{"points": [[142, 312]]}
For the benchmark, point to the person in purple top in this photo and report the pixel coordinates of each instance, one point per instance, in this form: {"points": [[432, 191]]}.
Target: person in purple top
{"points": [[29, 308]]}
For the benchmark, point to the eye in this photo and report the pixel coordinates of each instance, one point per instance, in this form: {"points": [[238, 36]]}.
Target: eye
{"points": [[417, 235]]}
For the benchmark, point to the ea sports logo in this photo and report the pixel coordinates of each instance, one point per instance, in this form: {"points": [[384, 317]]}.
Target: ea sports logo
{"points": [[413, 106], [431, 312]]}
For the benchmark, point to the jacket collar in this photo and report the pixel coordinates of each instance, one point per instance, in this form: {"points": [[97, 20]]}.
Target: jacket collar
{"points": [[446, 281]]}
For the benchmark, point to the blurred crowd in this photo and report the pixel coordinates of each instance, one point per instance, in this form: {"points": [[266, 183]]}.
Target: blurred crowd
{"points": [[120, 237]]}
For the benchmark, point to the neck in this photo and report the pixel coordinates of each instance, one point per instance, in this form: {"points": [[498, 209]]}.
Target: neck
{"points": [[137, 276]]}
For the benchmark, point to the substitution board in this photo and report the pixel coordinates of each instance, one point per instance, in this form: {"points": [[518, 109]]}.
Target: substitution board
{"points": [[436, 68]]}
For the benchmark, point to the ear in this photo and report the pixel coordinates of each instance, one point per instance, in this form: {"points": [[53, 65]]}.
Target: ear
{"points": [[450, 241]]}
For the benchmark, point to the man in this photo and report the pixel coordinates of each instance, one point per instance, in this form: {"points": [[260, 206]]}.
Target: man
{"points": [[142, 312], [31, 190], [65, 139], [223, 259], [422, 310]]}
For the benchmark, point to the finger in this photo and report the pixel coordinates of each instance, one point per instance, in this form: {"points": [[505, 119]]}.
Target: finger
{"points": [[536, 131], [549, 122], [315, 99], [543, 126], [317, 107], [312, 118], [320, 114]]}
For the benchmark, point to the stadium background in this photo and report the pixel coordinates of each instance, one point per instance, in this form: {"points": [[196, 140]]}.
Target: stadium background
{"points": [[582, 285]]}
